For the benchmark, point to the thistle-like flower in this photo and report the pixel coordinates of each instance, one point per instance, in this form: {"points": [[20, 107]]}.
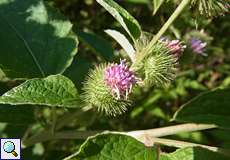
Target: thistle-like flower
{"points": [[120, 79], [159, 66], [197, 46], [175, 46], [108, 86]]}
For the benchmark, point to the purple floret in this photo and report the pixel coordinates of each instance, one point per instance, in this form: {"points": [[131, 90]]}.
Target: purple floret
{"points": [[120, 79], [197, 46], [175, 46]]}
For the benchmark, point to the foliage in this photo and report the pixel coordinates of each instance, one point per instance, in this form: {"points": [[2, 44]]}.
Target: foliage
{"points": [[52, 88]]}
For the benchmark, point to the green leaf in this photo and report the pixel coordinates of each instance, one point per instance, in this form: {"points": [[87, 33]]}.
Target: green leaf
{"points": [[156, 5], [193, 153], [211, 108], [37, 40], [114, 147], [99, 44], [55, 90], [128, 22], [221, 136], [123, 41], [17, 114]]}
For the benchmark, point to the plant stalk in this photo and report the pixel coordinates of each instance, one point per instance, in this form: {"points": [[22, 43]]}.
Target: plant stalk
{"points": [[171, 19], [171, 130], [157, 132]]}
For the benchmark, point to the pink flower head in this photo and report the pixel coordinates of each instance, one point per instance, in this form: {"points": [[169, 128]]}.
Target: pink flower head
{"points": [[119, 79], [197, 46], [175, 46]]}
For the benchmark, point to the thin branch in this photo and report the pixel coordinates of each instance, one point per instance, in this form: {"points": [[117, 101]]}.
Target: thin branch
{"points": [[166, 131], [157, 132], [54, 119], [46, 134], [171, 19]]}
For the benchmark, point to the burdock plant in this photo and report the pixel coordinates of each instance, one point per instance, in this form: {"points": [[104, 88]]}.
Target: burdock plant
{"points": [[46, 105], [108, 86], [154, 60], [160, 65]]}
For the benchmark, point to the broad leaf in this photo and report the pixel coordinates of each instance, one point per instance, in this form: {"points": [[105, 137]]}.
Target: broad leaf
{"points": [[16, 115], [211, 108], [128, 22], [221, 136], [36, 40], [123, 41], [55, 90], [114, 147], [193, 153], [99, 44]]}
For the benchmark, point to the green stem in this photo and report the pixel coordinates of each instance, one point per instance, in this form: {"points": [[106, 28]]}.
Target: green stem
{"points": [[171, 130], [54, 119], [176, 13], [171, 19], [156, 132]]}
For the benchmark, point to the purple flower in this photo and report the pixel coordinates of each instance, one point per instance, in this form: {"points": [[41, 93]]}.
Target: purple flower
{"points": [[120, 79], [175, 46], [197, 46]]}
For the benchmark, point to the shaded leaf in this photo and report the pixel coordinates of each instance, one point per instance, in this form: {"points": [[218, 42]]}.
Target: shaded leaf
{"points": [[99, 44], [37, 40], [128, 22], [55, 90], [17, 114], [211, 108], [79, 70], [114, 147]]}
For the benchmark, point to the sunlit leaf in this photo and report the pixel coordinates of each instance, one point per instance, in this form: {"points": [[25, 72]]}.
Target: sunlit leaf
{"points": [[127, 21], [55, 90], [36, 40]]}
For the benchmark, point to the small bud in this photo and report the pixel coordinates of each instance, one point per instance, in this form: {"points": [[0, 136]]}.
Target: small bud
{"points": [[108, 86], [175, 46], [197, 46], [160, 66]]}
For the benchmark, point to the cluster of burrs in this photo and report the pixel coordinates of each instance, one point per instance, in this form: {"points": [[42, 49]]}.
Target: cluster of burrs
{"points": [[108, 87]]}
